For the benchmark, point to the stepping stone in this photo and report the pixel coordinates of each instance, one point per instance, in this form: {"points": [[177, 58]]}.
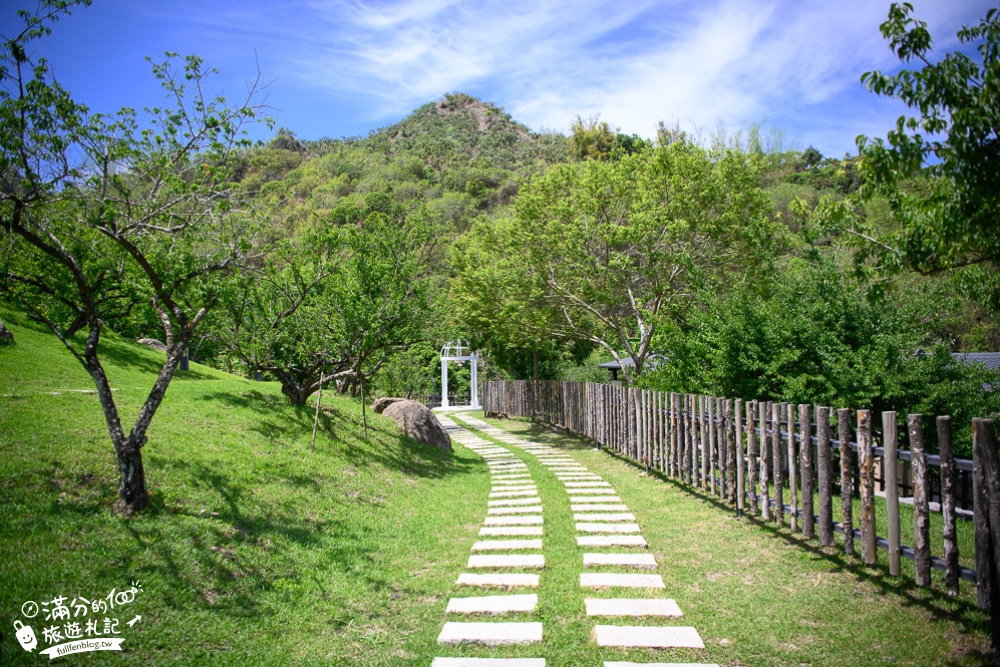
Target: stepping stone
{"points": [[489, 662], [516, 487], [607, 528], [624, 560], [599, 507], [498, 545], [492, 604], [622, 516], [533, 560], [512, 502], [631, 607], [512, 494], [523, 509], [610, 663], [593, 492], [491, 633], [505, 580], [649, 637], [611, 541], [613, 580], [586, 485], [513, 521], [510, 531], [595, 499], [511, 476]]}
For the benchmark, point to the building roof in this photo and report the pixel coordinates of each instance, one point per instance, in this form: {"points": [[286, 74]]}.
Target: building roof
{"points": [[652, 361], [989, 359]]}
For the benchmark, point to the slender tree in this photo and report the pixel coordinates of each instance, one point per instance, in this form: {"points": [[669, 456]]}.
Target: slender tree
{"points": [[100, 212]]}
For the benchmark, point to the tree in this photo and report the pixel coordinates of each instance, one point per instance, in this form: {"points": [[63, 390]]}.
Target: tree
{"points": [[939, 168], [592, 139], [605, 252], [100, 212], [497, 307], [336, 305]]}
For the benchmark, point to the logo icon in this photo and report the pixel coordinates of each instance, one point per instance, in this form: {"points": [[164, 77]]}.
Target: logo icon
{"points": [[30, 609], [25, 636]]}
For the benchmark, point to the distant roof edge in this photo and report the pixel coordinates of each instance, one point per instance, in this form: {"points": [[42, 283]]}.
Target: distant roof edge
{"points": [[989, 359]]}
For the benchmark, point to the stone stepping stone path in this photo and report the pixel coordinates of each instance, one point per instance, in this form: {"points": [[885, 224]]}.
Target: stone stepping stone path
{"points": [[514, 510], [603, 520]]}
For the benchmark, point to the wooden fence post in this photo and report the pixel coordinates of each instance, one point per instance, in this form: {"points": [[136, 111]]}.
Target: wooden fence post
{"points": [[765, 462], [752, 456], [921, 511], [721, 444], [689, 439], [986, 468], [824, 476], [806, 470], [730, 440], [846, 477], [712, 469], [779, 492], [704, 443], [793, 482], [741, 483], [891, 458], [866, 462], [948, 504]]}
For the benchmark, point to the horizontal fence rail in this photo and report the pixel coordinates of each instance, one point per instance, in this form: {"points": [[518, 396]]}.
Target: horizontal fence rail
{"points": [[751, 453]]}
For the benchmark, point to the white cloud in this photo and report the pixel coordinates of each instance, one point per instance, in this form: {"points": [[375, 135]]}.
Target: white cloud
{"points": [[635, 63]]}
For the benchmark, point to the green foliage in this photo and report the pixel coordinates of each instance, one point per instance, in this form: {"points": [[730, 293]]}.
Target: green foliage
{"points": [[592, 139], [610, 250], [950, 144], [819, 337]]}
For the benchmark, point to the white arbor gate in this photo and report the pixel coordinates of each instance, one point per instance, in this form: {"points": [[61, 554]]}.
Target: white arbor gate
{"points": [[458, 350]]}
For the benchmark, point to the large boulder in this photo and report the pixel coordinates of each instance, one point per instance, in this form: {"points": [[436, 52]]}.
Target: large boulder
{"points": [[418, 422], [380, 404], [152, 343]]}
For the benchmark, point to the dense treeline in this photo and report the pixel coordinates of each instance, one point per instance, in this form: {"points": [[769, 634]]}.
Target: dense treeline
{"points": [[726, 264]]}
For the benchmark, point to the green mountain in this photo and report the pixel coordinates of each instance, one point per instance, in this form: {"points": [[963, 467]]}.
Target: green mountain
{"points": [[456, 159]]}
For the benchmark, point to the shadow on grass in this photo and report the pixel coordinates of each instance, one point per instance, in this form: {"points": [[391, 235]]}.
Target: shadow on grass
{"points": [[231, 558], [385, 445], [935, 602]]}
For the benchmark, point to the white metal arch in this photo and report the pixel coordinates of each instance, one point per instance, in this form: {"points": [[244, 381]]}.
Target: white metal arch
{"points": [[458, 350]]}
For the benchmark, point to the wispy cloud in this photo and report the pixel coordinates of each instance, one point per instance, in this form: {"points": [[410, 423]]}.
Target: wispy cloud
{"points": [[547, 61]]}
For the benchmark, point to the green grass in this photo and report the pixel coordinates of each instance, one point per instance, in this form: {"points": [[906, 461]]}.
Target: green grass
{"points": [[259, 551], [256, 549], [758, 594]]}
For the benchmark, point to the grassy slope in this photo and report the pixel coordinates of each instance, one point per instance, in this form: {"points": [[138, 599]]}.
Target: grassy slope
{"points": [[258, 550]]}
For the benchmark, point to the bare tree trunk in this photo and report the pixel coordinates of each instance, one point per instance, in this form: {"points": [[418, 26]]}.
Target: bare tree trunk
{"points": [[6, 337]]}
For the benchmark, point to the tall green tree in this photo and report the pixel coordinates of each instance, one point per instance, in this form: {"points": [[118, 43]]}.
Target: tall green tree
{"points": [[100, 212], [939, 168], [605, 252]]}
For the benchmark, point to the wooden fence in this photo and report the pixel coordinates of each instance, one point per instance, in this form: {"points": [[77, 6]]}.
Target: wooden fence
{"points": [[751, 453]]}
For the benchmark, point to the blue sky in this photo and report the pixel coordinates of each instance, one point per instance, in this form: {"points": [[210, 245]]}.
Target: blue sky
{"points": [[341, 68]]}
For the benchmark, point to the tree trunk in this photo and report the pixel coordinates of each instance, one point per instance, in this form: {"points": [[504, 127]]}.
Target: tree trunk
{"points": [[6, 337], [297, 392], [132, 496]]}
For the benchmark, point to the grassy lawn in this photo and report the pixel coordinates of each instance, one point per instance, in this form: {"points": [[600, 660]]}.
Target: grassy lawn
{"points": [[257, 550], [758, 594]]}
